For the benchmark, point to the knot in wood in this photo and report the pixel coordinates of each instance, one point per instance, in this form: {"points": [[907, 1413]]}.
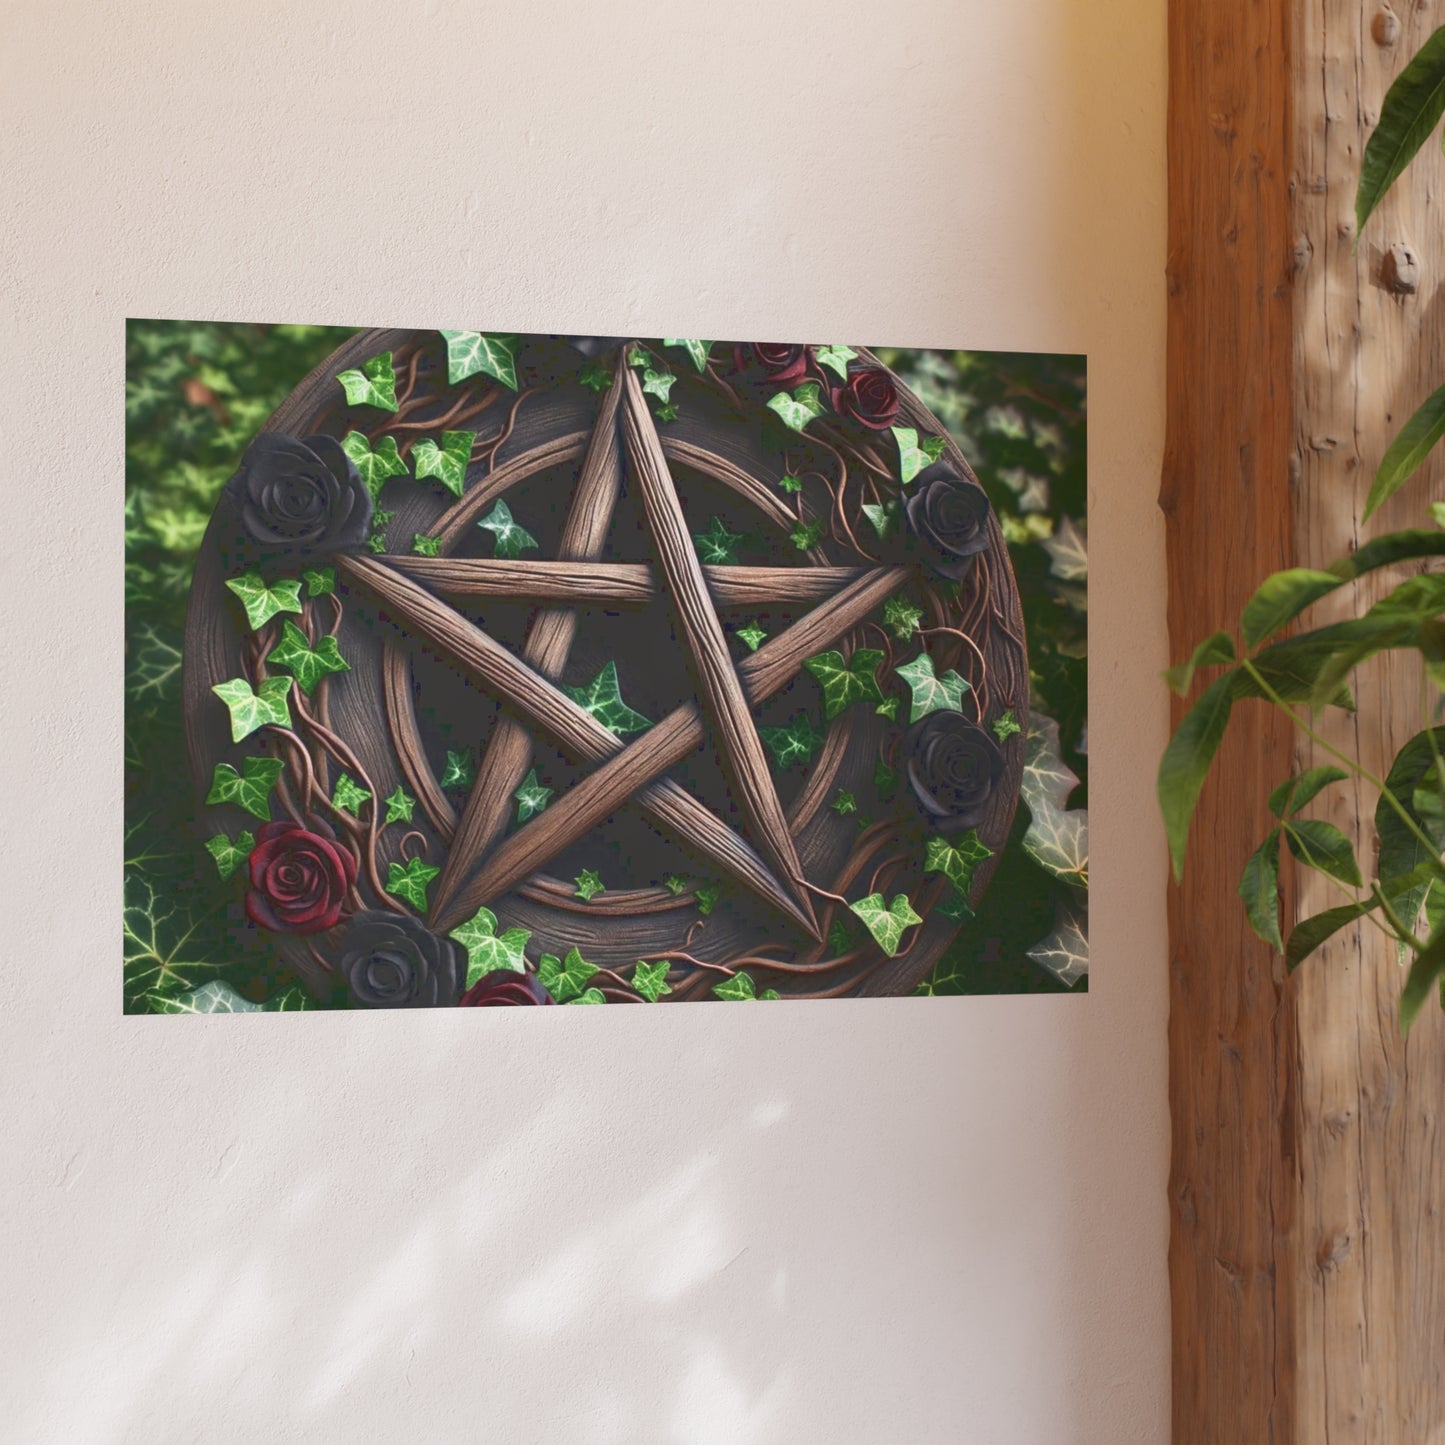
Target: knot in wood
{"points": [[1400, 270], [1385, 27]]}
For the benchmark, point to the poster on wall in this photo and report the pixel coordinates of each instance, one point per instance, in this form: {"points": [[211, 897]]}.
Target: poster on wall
{"points": [[470, 668]]}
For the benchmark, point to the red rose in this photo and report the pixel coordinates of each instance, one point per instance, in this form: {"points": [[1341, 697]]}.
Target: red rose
{"points": [[504, 986], [299, 880], [785, 365], [868, 396]]}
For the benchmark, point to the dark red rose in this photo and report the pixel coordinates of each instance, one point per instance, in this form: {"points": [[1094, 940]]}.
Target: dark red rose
{"points": [[299, 880], [952, 766], [301, 495], [785, 365], [505, 986], [949, 517], [869, 396]]}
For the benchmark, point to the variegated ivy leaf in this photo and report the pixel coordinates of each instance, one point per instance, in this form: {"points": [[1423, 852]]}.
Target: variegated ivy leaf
{"points": [[373, 385], [1065, 952], [320, 581], [914, 455], [753, 635], [846, 681], [425, 546], [650, 979], [602, 697], [375, 466], [884, 516], [589, 884], [510, 537], [399, 806], [531, 797], [214, 997], [1058, 842], [348, 795], [228, 855], [251, 710], [488, 950], [306, 664], [250, 788], [836, 358], [901, 617], [797, 410], [717, 545], [411, 882], [263, 600], [794, 742], [931, 693], [565, 978], [1068, 551], [470, 352], [887, 922], [698, 350], [448, 462], [1047, 779]]}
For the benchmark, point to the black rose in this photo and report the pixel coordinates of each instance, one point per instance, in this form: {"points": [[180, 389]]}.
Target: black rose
{"points": [[594, 346], [952, 767], [505, 986], [388, 960], [949, 517], [301, 495], [785, 365]]}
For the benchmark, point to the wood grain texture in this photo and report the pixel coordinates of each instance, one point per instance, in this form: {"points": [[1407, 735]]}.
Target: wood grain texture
{"points": [[722, 691]]}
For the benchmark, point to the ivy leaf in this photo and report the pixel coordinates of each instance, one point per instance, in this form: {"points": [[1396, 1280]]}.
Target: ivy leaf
{"points": [[250, 710], [658, 380], [933, 447], [590, 995], [956, 861], [846, 682], [1005, 726], [373, 385], [844, 803], [707, 896], [565, 978], [675, 884], [399, 806], [1047, 779], [884, 517], [320, 581], [1065, 952], [717, 545], [806, 535], [411, 882], [698, 350], [739, 987], [375, 466], [470, 352], [487, 950], [1058, 842], [798, 410], [214, 997], [307, 665], [930, 693], [914, 455], [650, 979], [885, 779], [889, 708], [795, 742], [448, 462], [348, 795], [589, 884], [161, 953], [511, 538], [250, 788], [840, 938], [595, 376], [887, 922], [425, 546], [263, 602], [753, 635], [667, 413], [228, 855], [458, 772], [532, 797], [793, 485], [901, 617], [1259, 888], [602, 697], [1069, 552], [836, 358]]}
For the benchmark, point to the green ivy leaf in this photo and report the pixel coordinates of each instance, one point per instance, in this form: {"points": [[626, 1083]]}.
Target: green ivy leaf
{"points": [[887, 922], [470, 352], [956, 861], [793, 485], [901, 617], [373, 385], [411, 882], [1413, 106], [717, 545], [675, 884], [836, 358], [250, 710], [448, 462], [511, 538], [650, 979], [885, 779], [914, 455], [228, 855], [565, 978], [307, 665], [806, 535], [250, 788], [375, 466], [930, 693], [1006, 726], [595, 376], [889, 708], [399, 806], [487, 950], [348, 795], [846, 682], [798, 410], [844, 803], [214, 997], [667, 413], [589, 884], [884, 517], [753, 635], [1322, 846], [793, 743], [658, 380], [590, 995], [602, 697], [459, 771], [739, 987], [1298, 792], [1259, 888], [425, 546], [707, 896], [320, 581], [698, 350], [261, 601], [531, 797], [840, 937]]}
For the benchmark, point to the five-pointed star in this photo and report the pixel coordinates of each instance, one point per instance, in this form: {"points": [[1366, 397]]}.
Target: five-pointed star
{"points": [[483, 863]]}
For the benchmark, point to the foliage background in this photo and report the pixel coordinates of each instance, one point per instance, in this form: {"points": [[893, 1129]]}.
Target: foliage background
{"points": [[196, 392]]}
